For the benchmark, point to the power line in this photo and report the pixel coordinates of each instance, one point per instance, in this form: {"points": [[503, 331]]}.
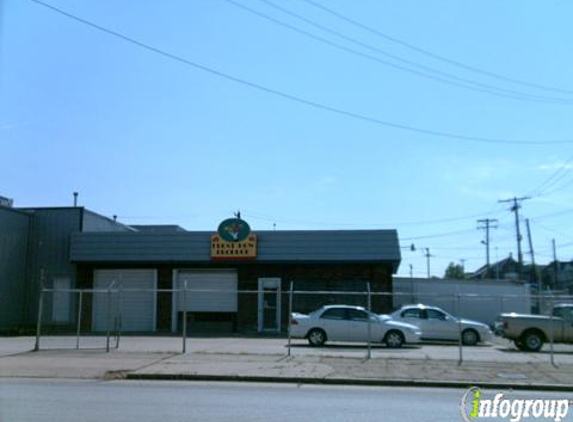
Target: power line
{"points": [[431, 236], [461, 82], [434, 55], [294, 98], [553, 214], [324, 223], [552, 180]]}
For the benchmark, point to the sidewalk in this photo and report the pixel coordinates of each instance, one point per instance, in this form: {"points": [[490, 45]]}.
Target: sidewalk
{"points": [[233, 364]]}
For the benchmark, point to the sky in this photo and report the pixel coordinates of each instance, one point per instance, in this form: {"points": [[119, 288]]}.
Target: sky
{"points": [[303, 115]]}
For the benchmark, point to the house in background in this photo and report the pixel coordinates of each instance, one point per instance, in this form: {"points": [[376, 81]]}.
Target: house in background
{"points": [[506, 269], [558, 275]]}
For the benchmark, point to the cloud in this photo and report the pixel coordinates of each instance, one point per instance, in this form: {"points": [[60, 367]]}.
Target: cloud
{"points": [[556, 165]]}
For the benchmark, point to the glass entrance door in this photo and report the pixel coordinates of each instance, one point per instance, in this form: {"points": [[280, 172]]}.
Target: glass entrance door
{"points": [[269, 309]]}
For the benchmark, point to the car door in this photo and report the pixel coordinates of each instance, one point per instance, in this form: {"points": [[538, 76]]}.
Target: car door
{"points": [[440, 326], [414, 316], [358, 326], [567, 315], [334, 321]]}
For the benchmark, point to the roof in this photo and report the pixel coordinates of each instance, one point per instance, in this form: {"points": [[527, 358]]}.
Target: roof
{"points": [[320, 246], [158, 228], [483, 270]]}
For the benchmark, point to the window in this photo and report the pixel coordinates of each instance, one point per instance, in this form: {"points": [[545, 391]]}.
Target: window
{"points": [[563, 312], [334, 313], [357, 315], [434, 314], [411, 313]]}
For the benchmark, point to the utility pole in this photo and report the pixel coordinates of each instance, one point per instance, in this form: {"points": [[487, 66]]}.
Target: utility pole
{"points": [[556, 266], [487, 223], [463, 261], [535, 272], [515, 209], [428, 256]]}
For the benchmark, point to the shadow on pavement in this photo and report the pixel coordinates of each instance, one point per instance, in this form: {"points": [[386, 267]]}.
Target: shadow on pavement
{"points": [[359, 347]]}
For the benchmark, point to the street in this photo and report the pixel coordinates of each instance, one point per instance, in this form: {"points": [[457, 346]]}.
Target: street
{"points": [[27, 400]]}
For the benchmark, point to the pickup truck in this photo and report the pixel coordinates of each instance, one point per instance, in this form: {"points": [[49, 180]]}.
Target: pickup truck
{"points": [[529, 332]]}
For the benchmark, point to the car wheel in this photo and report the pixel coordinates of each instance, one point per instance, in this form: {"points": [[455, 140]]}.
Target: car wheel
{"points": [[519, 344], [532, 341], [316, 337], [470, 337], [394, 339]]}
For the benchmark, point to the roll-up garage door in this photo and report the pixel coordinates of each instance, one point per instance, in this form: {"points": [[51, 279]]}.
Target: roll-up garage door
{"points": [[220, 297], [133, 299]]}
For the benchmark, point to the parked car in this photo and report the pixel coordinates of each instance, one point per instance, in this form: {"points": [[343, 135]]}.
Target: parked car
{"points": [[350, 323], [529, 332], [437, 324]]}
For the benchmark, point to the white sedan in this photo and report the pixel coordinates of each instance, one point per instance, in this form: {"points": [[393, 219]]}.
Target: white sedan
{"points": [[437, 324], [351, 323]]}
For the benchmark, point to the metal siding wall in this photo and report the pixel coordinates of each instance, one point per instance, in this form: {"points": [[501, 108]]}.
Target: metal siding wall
{"points": [[484, 309], [14, 229], [50, 233]]}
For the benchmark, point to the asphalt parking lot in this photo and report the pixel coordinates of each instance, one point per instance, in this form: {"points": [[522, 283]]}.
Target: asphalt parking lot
{"points": [[500, 350]]}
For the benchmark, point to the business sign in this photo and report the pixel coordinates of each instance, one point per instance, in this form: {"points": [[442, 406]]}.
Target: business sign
{"points": [[233, 241]]}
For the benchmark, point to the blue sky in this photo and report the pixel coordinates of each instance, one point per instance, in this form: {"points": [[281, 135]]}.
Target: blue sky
{"points": [[157, 139]]}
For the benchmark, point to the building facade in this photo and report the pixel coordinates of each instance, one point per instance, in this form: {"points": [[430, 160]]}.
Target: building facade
{"points": [[150, 277]]}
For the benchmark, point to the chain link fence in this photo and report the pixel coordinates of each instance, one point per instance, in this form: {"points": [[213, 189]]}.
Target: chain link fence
{"points": [[98, 318]]}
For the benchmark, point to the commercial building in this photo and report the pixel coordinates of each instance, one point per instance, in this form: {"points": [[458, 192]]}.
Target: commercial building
{"points": [[228, 279]]}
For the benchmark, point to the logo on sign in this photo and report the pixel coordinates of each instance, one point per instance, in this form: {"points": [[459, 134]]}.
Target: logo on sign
{"points": [[233, 241], [234, 230]]}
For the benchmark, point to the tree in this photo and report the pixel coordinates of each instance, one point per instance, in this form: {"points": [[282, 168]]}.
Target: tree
{"points": [[454, 271]]}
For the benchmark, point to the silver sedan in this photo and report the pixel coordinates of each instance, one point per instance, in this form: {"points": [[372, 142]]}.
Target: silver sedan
{"points": [[351, 323], [437, 324]]}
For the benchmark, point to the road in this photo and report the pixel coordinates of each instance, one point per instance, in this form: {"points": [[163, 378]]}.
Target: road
{"points": [[28, 400]]}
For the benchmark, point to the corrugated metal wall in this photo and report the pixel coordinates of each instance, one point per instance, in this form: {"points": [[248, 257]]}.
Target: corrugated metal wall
{"points": [[14, 227], [481, 300], [49, 251]]}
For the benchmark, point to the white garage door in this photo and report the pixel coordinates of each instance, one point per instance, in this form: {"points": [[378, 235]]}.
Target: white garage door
{"points": [[220, 297], [136, 308]]}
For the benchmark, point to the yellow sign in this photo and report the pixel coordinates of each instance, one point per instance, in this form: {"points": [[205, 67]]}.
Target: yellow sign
{"points": [[224, 250]]}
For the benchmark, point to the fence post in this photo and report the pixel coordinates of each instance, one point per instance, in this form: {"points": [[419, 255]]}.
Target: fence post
{"points": [[289, 316], [184, 317], [108, 317], [551, 331], [369, 305], [119, 316], [40, 310], [39, 323], [460, 341], [79, 320]]}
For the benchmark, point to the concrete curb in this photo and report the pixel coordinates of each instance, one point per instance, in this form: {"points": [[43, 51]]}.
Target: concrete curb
{"points": [[348, 381]]}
